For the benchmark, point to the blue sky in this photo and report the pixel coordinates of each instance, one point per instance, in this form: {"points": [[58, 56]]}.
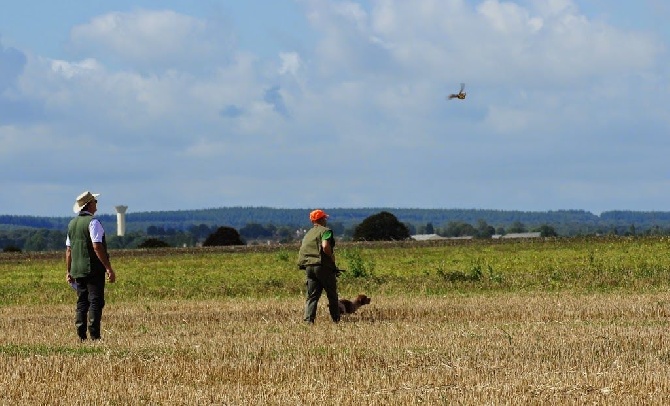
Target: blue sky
{"points": [[169, 105]]}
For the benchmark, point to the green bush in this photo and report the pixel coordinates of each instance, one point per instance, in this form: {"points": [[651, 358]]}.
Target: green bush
{"points": [[382, 226], [357, 267], [223, 236], [153, 243]]}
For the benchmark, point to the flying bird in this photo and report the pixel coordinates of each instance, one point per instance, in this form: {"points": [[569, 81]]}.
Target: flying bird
{"points": [[459, 95]]}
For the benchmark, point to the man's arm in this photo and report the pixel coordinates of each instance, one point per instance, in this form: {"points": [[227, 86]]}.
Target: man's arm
{"points": [[328, 249], [101, 253], [68, 264]]}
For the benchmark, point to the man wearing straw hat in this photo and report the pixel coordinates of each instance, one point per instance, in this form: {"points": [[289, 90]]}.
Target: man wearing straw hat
{"points": [[87, 265], [317, 259]]}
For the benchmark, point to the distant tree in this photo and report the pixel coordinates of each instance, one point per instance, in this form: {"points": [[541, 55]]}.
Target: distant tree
{"points": [[255, 230], [153, 243], [467, 230], [459, 229], [11, 248], [223, 236], [430, 229], [200, 231], [337, 227], [159, 230], [484, 230], [44, 240], [655, 230], [517, 227], [348, 233], [285, 234], [500, 230], [547, 231], [382, 226], [128, 241]]}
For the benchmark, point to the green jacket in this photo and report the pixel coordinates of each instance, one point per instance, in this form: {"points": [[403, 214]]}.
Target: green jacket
{"points": [[311, 252], [84, 258]]}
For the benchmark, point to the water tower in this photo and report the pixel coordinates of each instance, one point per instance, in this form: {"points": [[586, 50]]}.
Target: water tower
{"points": [[121, 220]]}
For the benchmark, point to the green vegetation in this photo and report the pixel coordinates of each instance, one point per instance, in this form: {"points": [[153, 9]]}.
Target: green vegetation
{"points": [[400, 268], [223, 236], [261, 224], [153, 243], [382, 226]]}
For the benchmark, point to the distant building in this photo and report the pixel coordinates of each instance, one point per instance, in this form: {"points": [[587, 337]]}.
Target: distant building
{"points": [[427, 237], [435, 237], [534, 234]]}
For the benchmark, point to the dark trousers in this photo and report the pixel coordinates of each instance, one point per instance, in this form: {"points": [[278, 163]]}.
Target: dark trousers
{"points": [[90, 301], [319, 279]]}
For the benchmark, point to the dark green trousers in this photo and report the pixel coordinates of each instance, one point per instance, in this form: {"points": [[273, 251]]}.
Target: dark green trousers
{"points": [[321, 279], [90, 301]]}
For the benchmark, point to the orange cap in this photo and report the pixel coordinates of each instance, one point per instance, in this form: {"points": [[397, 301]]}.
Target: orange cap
{"points": [[317, 214]]}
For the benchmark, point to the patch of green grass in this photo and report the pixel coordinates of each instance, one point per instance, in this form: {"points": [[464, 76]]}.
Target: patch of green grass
{"points": [[580, 264], [26, 350]]}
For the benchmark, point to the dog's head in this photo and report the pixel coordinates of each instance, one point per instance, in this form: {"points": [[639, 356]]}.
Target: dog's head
{"points": [[362, 299]]}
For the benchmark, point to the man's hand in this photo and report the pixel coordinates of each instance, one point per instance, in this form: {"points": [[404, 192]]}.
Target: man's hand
{"points": [[69, 278], [111, 276]]}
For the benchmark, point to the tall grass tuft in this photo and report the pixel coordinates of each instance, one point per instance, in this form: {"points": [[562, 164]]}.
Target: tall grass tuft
{"points": [[357, 266]]}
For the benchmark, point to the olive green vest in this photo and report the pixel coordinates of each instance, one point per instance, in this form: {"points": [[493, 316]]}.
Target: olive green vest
{"points": [[84, 259], [310, 251]]}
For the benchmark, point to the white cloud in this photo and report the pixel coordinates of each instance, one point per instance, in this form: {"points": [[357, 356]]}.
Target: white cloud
{"points": [[502, 40], [71, 69], [290, 63], [151, 39], [549, 8], [165, 98], [508, 17]]}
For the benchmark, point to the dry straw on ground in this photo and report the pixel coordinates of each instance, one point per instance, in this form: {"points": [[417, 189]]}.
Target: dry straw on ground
{"points": [[475, 350]]}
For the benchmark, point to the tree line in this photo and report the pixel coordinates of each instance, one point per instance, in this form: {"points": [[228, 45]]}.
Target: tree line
{"points": [[187, 228]]}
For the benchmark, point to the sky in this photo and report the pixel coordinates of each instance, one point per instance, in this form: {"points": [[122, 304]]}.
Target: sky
{"points": [[174, 105]]}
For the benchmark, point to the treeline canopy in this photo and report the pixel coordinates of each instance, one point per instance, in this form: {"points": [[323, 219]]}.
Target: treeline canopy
{"points": [[567, 222]]}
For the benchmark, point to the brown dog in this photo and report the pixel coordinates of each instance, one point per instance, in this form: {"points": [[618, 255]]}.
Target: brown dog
{"points": [[349, 307]]}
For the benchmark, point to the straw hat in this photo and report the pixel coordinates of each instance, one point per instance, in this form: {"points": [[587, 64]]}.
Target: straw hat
{"points": [[83, 199]]}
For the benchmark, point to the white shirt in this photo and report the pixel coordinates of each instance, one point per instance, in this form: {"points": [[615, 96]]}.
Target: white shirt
{"points": [[95, 230]]}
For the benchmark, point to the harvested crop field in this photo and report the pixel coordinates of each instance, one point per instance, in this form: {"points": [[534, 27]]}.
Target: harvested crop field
{"points": [[501, 336]]}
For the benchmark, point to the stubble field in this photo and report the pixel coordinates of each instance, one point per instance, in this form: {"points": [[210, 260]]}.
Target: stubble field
{"points": [[552, 322]]}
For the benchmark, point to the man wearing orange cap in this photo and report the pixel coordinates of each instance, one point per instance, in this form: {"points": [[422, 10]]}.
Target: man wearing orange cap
{"points": [[317, 259]]}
